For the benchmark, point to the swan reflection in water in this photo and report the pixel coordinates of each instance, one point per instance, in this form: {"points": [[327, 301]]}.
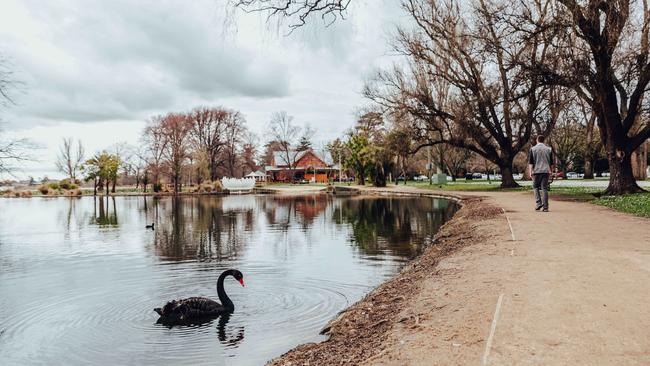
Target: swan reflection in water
{"points": [[229, 337]]}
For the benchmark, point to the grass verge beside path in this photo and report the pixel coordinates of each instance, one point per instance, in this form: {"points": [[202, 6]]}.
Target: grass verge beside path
{"points": [[635, 204], [461, 186]]}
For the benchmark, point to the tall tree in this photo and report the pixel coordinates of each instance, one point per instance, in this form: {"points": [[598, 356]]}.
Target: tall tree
{"points": [[175, 130], [399, 142], [606, 63], [208, 133], [359, 157], [12, 150], [286, 134], [249, 153], [69, 160], [463, 85], [235, 130], [451, 159], [155, 144], [102, 169], [567, 141]]}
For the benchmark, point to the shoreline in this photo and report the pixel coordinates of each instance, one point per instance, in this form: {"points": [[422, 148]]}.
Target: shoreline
{"points": [[86, 193], [366, 331]]}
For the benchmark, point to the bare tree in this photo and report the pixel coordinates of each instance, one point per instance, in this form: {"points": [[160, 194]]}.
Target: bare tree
{"points": [[296, 11], [69, 160], [250, 158], [463, 85], [286, 134], [13, 151], [234, 133], [592, 145], [175, 131], [452, 159], [567, 141], [207, 131], [7, 82], [155, 144], [606, 63]]}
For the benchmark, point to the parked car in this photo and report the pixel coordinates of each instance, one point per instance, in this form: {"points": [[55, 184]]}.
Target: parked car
{"points": [[572, 175], [558, 174], [421, 177]]}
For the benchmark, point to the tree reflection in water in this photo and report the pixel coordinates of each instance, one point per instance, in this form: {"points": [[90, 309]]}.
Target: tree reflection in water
{"points": [[201, 227], [103, 214], [397, 225], [217, 228]]}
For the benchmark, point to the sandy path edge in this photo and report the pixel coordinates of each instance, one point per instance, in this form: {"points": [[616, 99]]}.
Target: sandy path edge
{"points": [[372, 329]]}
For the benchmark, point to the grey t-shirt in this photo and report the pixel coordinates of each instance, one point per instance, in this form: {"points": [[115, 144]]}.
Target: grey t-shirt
{"points": [[541, 157]]}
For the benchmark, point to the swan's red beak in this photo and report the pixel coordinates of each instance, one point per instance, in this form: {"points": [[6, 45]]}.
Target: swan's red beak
{"points": [[241, 280]]}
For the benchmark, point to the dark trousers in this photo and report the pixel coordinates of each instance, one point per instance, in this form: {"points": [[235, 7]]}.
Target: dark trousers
{"points": [[540, 183]]}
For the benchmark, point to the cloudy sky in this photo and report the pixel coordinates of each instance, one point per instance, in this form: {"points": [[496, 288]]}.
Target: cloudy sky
{"points": [[96, 70]]}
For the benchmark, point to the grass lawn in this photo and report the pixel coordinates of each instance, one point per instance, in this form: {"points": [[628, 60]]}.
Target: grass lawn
{"points": [[636, 204], [479, 186]]}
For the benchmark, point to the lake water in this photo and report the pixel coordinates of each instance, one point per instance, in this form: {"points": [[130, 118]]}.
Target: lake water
{"points": [[79, 277]]}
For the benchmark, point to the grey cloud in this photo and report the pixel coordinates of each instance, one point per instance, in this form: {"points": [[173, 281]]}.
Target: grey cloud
{"points": [[106, 60]]}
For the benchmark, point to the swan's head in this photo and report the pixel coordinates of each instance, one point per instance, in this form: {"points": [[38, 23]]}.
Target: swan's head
{"points": [[238, 276]]}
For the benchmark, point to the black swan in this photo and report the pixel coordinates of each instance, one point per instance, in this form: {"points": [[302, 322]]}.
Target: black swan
{"points": [[149, 226], [197, 309]]}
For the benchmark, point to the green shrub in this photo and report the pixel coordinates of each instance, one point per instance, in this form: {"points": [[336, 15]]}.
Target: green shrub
{"points": [[44, 189], [64, 184], [54, 185], [73, 186], [157, 187]]}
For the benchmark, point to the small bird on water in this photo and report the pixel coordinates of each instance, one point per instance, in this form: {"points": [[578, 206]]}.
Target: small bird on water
{"points": [[149, 226]]}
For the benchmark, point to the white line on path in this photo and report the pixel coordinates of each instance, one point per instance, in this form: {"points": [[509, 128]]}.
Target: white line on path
{"points": [[512, 233], [493, 329]]}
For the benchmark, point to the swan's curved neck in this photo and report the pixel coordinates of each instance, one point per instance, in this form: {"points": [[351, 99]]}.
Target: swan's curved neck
{"points": [[223, 297]]}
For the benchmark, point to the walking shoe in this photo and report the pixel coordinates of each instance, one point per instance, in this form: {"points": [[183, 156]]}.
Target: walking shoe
{"points": [[538, 207], [545, 210]]}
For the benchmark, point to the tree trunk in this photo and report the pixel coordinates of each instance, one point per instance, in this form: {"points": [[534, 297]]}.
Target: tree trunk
{"points": [[108, 186], [213, 168], [640, 162], [114, 182], [379, 178], [621, 177], [507, 180], [589, 168]]}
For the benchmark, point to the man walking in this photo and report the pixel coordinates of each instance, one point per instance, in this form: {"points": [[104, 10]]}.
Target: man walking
{"points": [[540, 167]]}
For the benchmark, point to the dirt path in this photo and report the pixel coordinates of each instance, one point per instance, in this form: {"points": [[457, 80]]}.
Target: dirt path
{"points": [[577, 289], [572, 288]]}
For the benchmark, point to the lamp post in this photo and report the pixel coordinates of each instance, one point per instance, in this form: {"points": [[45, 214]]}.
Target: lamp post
{"points": [[429, 165]]}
